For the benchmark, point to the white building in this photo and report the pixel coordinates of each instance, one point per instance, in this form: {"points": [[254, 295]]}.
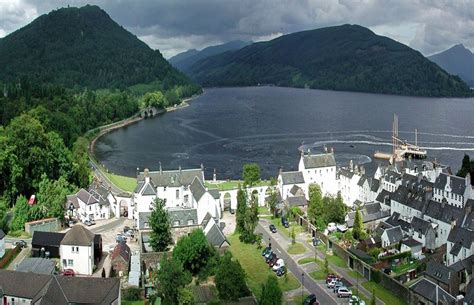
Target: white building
{"points": [[460, 244], [77, 250], [391, 237], [320, 169], [287, 180], [454, 190], [204, 201], [88, 205]]}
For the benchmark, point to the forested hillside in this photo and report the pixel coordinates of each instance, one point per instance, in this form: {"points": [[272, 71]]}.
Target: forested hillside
{"points": [[347, 57]]}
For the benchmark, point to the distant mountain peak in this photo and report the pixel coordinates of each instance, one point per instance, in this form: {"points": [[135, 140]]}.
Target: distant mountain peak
{"points": [[457, 60]]}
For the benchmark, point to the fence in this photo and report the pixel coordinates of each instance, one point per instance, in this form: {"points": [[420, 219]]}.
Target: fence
{"points": [[43, 225]]}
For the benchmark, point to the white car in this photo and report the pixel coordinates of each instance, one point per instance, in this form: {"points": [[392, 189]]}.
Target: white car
{"points": [[343, 292], [279, 263], [355, 300], [332, 227], [332, 283]]}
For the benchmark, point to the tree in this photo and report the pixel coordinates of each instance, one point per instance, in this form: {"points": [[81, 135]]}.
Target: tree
{"points": [[241, 210], [185, 297], [373, 301], [20, 214], [171, 277], [271, 292], [81, 162], [293, 235], [273, 198], [336, 210], [52, 196], [315, 202], [358, 228], [160, 237], [230, 279], [193, 251], [326, 265], [251, 174]]}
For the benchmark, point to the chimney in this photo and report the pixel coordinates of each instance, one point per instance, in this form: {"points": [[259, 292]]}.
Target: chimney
{"points": [[468, 180], [351, 165], [138, 171], [146, 174], [443, 203], [419, 177], [280, 170], [332, 150], [325, 148], [202, 167], [161, 170], [179, 169], [448, 181], [453, 223], [362, 170], [214, 176]]}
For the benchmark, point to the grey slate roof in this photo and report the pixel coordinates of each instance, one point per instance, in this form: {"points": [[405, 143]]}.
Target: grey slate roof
{"points": [[375, 185], [429, 290], [392, 176], [395, 220], [78, 236], [413, 199], [215, 236], [173, 178], [36, 265], [2, 234], [319, 160], [411, 243], [346, 173], [294, 190], [420, 225], [369, 212], [438, 271], [394, 235], [464, 264], [214, 193], [296, 201], [72, 199], [182, 215], [383, 195], [139, 186], [206, 220], [458, 184], [362, 180], [59, 290], [148, 190], [197, 189], [142, 218], [446, 214], [292, 178], [460, 236], [86, 197]]}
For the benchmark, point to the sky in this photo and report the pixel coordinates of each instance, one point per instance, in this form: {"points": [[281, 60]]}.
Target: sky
{"points": [[174, 26]]}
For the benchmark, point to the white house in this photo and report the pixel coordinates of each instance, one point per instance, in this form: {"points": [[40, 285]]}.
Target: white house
{"points": [[452, 189], [287, 180], [319, 169], [348, 185], [412, 245], [2, 243], [424, 232], [77, 250], [88, 205], [460, 244], [391, 237], [204, 201]]}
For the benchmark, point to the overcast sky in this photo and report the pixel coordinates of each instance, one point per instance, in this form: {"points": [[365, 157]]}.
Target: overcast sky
{"points": [[173, 26]]}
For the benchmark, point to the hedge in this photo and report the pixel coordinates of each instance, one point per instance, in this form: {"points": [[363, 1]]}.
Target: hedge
{"points": [[399, 255], [9, 256]]}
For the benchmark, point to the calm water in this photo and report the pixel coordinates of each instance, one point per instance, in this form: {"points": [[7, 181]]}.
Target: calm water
{"points": [[228, 127]]}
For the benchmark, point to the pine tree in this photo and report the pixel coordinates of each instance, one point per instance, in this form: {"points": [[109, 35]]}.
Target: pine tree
{"points": [[241, 210], [160, 237], [358, 228], [271, 292]]}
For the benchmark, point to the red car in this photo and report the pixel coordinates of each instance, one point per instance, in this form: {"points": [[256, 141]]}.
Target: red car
{"points": [[330, 277], [68, 272]]}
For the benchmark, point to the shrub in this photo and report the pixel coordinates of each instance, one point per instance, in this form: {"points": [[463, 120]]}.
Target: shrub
{"points": [[375, 276], [8, 257], [132, 294]]}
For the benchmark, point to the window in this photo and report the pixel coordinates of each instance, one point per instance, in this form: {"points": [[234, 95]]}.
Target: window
{"points": [[186, 198], [70, 262], [146, 225], [164, 188], [176, 223], [177, 194], [90, 208], [75, 249], [190, 222]]}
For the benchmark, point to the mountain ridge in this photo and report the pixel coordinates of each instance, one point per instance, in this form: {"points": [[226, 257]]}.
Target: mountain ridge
{"points": [[345, 58], [457, 60]]}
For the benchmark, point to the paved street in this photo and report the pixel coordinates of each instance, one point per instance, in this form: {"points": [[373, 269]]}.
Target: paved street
{"points": [[98, 173]]}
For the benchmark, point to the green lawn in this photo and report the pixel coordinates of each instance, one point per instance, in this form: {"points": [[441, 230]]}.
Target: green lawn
{"points": [[336, 260], [296, 248], [139, 302], [232, 184], [318, 275], [286, 231], [256, 269], [385, 295], [354, 274], [127, 184], [264, 211], [405, 267], [306, 260]]}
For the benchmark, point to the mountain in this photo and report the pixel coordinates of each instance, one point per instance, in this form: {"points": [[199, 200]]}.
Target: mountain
{"points": [[186, 59], [82, 47], [346, 57], [458, 61]]}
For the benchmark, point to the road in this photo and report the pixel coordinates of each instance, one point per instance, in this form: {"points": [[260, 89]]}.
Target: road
{"points": [[321, 294], [99, 174]]}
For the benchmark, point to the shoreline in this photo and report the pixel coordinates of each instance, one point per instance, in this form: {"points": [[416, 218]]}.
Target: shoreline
{"points": [[105, 129]]}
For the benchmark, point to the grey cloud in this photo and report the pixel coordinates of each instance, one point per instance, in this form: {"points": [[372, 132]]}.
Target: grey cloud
{"points": [[176, 25]]}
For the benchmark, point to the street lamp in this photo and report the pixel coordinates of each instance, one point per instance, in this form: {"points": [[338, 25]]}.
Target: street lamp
{"points": [[302, 285], [269, 242]]}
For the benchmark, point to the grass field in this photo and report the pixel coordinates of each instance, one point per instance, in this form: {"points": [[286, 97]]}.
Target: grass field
{"points": [[139, 302], [385, 295], [286, 231], [232, 184], [264, 211], [336, 260], [405, 267], [306, 260], [256, 269], [296, 248], [127, 184]]}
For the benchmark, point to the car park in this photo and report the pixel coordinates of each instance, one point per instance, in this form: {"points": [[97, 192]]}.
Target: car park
{"points": [[279, 263], [311, 300], [68, 272], [343, 292], [332, 282], [281, 271], [273, 229], [266, 250]]}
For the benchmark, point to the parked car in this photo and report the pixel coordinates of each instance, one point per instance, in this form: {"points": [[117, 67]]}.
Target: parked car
{"points": [[68, 272], [88, 223], [343, 292], [121, 238], [355, 300], [126, 228], [270, 257], [232, 211], [273, 261], [331, 277], [266, 250], [279, 263], [268, 254], [20, 243], [337, 286], [273, 229], [332, 282], [281, 271], [285, 222], [92, 221], [332, 227], [311, 300]]}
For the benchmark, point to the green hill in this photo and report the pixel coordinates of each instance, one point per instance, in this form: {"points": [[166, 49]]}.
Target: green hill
{"points": [[346, 57], [82, 47]]}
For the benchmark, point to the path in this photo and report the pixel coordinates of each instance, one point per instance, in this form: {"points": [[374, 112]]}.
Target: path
{"points": [[18, 259]]}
